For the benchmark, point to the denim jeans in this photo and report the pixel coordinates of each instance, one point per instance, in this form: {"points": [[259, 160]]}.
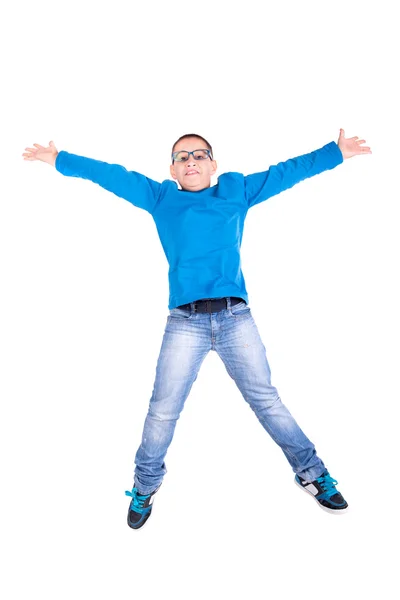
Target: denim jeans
{"points": [[233, 334]]}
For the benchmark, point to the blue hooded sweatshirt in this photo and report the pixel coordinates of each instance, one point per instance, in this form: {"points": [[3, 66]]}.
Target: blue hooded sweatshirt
{"points": [[201, 231]]}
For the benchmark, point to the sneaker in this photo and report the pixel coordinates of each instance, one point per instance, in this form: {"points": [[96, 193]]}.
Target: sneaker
{"points": [[139, 508], [324, 491]]}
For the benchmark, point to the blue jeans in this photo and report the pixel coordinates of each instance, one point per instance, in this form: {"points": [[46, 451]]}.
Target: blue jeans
{"points": [[233, 334]]}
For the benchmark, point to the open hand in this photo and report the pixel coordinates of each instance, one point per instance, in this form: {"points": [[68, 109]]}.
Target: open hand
{"points": [[47, 155], [351, 146]]}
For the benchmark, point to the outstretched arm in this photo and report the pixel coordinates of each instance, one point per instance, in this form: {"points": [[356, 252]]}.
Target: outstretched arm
{"points": [[141, 191], [284, 175]]}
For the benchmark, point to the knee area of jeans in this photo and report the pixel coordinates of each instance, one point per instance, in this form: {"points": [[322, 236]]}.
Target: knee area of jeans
{"points": [[164, 416], [266, 401], [274, 401]]}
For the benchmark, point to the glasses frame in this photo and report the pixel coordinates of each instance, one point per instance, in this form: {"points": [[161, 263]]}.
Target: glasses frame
{"points": [[192, 152]]}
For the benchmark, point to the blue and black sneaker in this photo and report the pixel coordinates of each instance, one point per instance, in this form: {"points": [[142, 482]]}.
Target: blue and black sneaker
{"points": [[324, 491], [139, 508]]}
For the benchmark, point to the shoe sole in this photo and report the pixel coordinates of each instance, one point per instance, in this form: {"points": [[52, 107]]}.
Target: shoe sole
{"points": [[336, 511]]}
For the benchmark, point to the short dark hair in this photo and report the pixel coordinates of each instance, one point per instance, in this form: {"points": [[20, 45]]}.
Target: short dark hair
{"points": [[187, 135]]}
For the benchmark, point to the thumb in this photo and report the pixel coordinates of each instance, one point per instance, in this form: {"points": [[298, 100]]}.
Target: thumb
{"points": [[51, 143], [342, 132]]}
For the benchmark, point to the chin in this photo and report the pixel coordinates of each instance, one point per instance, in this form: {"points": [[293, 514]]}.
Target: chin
{"points": [[186, 187]]}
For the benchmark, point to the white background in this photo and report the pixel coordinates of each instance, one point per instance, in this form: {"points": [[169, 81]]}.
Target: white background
{"points": [[84, 296]]}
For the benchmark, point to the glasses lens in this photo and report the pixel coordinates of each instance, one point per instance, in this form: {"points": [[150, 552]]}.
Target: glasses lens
{"points": [[183, 155]]}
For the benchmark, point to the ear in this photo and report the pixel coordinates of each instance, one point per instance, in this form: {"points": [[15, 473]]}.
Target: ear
{"points": [[172, 171], [214, 167]]}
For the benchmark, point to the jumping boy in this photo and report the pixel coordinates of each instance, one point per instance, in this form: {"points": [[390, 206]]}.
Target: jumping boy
{"points": [[200, 228]]}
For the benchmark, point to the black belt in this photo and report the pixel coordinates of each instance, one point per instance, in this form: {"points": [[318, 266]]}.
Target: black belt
{"points": [[210, 304]]}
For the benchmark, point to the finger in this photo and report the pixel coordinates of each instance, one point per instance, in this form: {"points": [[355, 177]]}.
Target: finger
{"points": [[31, 149], [361, 142], [39, 146], [354, 138]]}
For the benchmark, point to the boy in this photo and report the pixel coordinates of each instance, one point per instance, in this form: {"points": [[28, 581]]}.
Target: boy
{"points": [[200, 228]]}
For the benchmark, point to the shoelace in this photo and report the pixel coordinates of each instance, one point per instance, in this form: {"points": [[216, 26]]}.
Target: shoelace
{"points": [[138, 500], [328, 484]]}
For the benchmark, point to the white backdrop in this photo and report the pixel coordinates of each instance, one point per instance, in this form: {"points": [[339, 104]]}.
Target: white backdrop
{"points": [[84, 296]]}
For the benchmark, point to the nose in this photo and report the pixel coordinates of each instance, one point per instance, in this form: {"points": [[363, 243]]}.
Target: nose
{"points": [[191, 162]]}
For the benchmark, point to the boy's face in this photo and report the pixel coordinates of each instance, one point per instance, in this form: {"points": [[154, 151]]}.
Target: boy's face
{"points": [[204, 168]]}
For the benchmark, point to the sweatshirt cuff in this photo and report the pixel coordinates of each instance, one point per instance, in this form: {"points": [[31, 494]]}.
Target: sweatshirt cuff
{"points": [[58, 163], [335, 152]]}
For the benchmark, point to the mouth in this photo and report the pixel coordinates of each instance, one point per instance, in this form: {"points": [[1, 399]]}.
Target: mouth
{"points": [[192, 173]]}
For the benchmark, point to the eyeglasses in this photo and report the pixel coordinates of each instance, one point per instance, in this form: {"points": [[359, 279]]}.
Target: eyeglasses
{"points": [[184, 155]]}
